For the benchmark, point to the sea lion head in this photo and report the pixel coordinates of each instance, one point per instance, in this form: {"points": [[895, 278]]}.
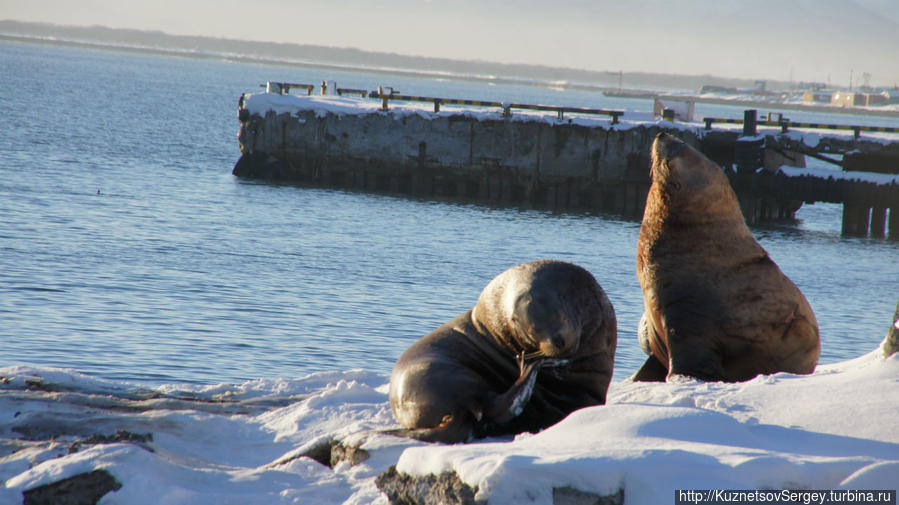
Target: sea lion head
{"points": [[534, 308], [689, 184], [544, 324]]}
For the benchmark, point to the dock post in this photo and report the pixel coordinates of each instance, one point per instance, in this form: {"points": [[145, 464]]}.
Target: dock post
{"points": [[749, 207], [894, 223], [849, 219], [750, 123], [864, 220], [878, 220], [855, 219]]}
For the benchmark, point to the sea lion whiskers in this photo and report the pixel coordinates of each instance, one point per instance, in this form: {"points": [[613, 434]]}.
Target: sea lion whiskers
{"points": [[532, 355]]}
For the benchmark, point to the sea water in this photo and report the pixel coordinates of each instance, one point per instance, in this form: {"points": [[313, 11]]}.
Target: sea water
{"points": [[128, 251]]}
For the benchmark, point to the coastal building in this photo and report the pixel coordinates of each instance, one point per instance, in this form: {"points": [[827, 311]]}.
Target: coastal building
{"points": [[850, 99], [817, 96]]}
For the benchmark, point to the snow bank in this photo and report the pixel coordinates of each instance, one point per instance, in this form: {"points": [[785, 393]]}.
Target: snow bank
{"points": [[239, 443], [824, 173], [219, 444], [834, 429]]}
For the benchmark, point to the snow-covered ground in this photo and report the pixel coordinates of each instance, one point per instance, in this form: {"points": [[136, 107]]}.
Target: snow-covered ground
{"points": [[238, 443]]}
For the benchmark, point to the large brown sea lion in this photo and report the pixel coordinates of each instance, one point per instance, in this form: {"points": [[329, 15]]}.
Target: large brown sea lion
{"points": [[716, 306], [479, 374]]}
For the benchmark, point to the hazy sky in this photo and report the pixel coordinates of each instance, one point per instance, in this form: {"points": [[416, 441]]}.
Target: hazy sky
{"points": [[806, 40]]}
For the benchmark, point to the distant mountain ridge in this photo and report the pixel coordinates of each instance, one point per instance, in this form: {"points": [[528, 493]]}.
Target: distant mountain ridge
{"points": [[358, 58]]}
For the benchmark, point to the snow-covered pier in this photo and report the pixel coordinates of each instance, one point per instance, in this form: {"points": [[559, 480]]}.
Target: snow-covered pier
{"points": [[557, 157]]}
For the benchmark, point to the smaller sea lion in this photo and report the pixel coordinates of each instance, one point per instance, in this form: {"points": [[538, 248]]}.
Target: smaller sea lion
{"points": [[480, 374]]}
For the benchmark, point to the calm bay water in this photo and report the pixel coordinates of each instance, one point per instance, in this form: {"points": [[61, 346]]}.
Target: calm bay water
{"points": [[129, 252]]}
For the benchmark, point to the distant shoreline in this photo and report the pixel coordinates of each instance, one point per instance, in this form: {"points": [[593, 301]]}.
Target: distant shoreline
{"points": [[296, 63], [637, 93]]}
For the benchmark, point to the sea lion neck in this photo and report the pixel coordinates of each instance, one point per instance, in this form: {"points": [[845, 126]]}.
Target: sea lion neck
{"points": [[503, 345]]}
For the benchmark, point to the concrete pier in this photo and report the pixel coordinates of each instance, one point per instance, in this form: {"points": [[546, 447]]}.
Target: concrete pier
{"points": [[487, 157], [530, 157]]}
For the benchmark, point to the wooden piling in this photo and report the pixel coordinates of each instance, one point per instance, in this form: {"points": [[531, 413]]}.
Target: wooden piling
{"points": [[864, 220], [856, 219], [849, 219], [878, 220], [749, 207], [893, 223]]}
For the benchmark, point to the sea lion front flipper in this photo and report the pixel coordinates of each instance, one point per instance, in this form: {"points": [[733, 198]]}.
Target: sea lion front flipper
{"points": [[507, 406], [651, 371], [698, 360]]}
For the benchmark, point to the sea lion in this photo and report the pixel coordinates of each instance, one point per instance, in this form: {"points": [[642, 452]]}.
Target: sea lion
{"points": [[717, 308], [479, 374]]}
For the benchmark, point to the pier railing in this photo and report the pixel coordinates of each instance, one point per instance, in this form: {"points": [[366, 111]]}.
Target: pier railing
{"points": [[506, 107], [385, 94], [285, 87], [777, 120]]}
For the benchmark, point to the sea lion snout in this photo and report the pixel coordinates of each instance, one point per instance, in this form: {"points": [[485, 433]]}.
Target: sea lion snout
{"points": [[666, 146]]}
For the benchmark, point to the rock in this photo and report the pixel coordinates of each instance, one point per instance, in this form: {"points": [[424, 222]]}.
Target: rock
{"points": [[331, 452], [82, 489], [891, 342], [351, 453], [571, 496], [443, 489], [448, 489], [138, 439]]}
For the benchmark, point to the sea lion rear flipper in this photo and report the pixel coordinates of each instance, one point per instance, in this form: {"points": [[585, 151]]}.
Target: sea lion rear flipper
{"points": [[454, 429], [651, 371]]}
